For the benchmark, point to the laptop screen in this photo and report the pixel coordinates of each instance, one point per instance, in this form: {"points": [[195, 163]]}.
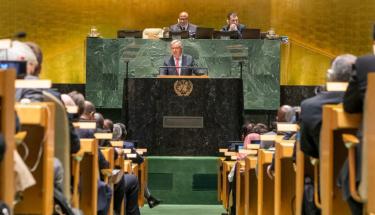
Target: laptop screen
{"points": [[204, 33], [19, 66]]}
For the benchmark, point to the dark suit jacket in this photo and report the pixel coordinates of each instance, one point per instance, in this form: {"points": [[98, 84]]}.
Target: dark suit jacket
{"points": [[355, 94], [187, 60], [240, 28], [353, 103], [311, 120], [177, 28]]}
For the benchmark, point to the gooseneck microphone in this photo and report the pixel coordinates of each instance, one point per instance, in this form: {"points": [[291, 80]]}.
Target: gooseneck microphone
{"points": [[18, 35]]}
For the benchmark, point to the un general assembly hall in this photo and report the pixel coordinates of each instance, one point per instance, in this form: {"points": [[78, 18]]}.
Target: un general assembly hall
{"points": [[187, 107]]}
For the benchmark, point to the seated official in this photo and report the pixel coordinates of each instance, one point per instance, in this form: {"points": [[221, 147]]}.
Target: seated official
{"points": [[184, 25], [233, 24], [178, 63]]}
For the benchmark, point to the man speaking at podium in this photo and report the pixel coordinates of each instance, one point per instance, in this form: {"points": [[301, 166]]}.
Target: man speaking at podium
{"points": [[178, 64]]}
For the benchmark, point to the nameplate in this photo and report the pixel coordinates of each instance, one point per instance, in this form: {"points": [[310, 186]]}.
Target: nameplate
{"points": [[286, 127], [182, 122], [268, 137], [103, 136], [337, 86], [33, 84], [131, 155], [85, 125], [126, 151], [119, 144], [182, 76], [72, 109]]}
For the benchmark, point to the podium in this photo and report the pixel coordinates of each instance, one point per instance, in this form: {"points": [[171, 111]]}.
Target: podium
{"points": [[183, 116]]}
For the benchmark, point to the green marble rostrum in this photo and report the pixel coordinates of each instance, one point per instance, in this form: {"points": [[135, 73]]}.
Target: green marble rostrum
{"points": [[106, 61]]}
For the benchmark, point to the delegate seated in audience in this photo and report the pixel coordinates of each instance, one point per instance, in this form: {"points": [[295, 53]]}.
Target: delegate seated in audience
{"points": [[184, 25], [32, 53], [108, 125], [353, 103], [253, 136], [178, 63], [285, 114], [126, 189], [233, 24], [119, 134], [311, 109], [34, 68]]}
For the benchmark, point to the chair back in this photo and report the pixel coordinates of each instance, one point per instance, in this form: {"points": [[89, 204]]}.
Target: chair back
{"points": [[62, 139]]}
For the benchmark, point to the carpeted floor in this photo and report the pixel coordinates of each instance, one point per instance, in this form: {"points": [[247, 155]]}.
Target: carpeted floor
{"points": [[183, 210]]}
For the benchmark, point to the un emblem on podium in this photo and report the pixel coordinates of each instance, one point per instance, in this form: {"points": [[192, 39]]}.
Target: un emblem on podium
{"points": [[183, 87]]}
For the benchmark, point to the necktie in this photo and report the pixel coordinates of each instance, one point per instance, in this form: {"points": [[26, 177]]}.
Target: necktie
{"points": [[177, 66]]}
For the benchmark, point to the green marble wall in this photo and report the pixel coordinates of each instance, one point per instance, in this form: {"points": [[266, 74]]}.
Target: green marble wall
{"points": [[106, 65]]}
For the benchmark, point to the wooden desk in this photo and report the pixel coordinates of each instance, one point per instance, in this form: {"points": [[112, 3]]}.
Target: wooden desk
{"points": [[284, 177], [227, 166], [251, 184], [220, 178], [38, 119], [240, 185], [108, 153], [265, 184], [300, 178], [88, 169], [332, 157], [369, 144], [7, 126], [142, 178]]}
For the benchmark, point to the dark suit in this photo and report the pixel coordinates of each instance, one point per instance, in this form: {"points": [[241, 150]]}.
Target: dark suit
{"points": [[187, 61], [311, 120], [353, 103], [178, 28], [240, 28]]}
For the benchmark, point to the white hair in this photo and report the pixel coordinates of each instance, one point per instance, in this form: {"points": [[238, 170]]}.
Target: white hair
{"points": [[21, 51], [341, 68], [178, 42]]}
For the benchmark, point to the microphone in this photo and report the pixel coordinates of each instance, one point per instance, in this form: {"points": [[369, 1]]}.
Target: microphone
{"points": [[194, 69], [241, 69], [18, 35]]}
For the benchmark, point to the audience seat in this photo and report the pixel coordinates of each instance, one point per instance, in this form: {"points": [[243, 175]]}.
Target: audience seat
{"points": [[7, 126], [332, 156], [85, 165], [38, 119], [62, 140]]}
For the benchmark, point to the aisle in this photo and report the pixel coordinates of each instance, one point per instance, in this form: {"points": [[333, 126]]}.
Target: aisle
{"points": [[183, 210]]}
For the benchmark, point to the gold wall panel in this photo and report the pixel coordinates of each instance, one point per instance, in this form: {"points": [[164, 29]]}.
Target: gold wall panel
{"points": [[320, 27], [302, 65], [60, 27]]}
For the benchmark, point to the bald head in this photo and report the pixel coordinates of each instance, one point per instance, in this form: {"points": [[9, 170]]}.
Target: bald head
{"points": [[285, 113], [79, 100], [67, 100], [183, 18], [89, 111], [99, 119], [108, 125]]}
